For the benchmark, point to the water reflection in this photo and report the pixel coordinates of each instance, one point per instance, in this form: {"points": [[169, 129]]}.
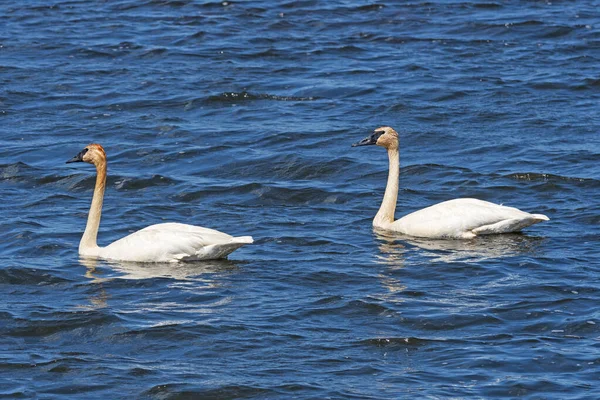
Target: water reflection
{"points": [[393, 255], [135, 270], [395, 247], [192, 278]]}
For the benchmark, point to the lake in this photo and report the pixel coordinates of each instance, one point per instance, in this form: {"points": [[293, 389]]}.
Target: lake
{"points": [[239, 116]]}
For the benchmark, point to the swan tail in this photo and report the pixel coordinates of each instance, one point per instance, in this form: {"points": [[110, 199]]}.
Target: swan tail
{"points": [[510, 225], [219, 250], [243, 239], [540, 217]]}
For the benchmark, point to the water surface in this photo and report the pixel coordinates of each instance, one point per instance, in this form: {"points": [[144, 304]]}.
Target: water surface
{"points": [[239, 116]]}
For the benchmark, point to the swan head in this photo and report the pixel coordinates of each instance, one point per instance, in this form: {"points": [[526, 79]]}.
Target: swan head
{"points": [[92, 153], [384, 136]]}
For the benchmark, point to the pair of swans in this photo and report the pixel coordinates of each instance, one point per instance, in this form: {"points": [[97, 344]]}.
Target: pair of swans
{"points": [[171, 242]]}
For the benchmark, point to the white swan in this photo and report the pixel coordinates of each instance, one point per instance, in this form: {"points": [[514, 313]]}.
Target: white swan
{"points": [[452, 219], [168, 242]]}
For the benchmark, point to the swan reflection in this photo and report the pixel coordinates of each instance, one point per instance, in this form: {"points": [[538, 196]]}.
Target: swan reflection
{"points": [[394, 247], [194, 278], [135, 270]]}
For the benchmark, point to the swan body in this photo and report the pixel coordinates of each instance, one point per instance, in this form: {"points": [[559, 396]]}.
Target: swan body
{"points": [[170, 242], [453, 219], [463, 219], [166, 242]]}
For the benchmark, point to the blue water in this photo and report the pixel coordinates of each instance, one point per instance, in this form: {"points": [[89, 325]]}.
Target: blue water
{"points": [[239, 116]]}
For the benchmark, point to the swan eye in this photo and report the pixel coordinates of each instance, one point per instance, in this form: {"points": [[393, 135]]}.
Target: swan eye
{"points": [[378, 134]]}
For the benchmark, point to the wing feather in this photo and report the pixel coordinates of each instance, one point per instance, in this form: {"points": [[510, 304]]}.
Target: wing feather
{"points": [[166, 242], [463, 218]]}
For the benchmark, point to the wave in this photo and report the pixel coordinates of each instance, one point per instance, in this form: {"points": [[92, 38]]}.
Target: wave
{"points": [[236, 97], [28, 276], [184, 390], [400, 342], [542, 177], [54, 321]]}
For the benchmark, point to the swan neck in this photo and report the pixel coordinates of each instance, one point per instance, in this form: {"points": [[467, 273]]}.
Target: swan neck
{"points": [[88, 241], [385, 215]]}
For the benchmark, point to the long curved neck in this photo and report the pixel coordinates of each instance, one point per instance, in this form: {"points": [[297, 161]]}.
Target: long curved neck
{"points": [[385, 215], [88, 240]]}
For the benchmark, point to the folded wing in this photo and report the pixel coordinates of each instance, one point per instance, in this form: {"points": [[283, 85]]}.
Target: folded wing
{"points": [[465, 218], [173, 242]]}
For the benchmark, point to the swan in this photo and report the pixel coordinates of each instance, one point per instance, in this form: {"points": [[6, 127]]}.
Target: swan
{"points": [[167, 242], [453, 219]]}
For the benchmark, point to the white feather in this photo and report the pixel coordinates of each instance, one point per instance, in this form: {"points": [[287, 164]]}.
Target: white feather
{"points": [[464, 219], [173, 242]]}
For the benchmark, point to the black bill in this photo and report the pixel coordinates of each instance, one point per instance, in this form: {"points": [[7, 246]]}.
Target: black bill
{"points": [[369, 139], [78, 157]]}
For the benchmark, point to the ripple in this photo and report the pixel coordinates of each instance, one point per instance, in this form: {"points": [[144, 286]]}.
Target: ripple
{"points": [[398, 342], [235, 97], [14, 172], [143, 183], [241, 114], [20, 276], [45, 324], [532, 176], [178, 390]]}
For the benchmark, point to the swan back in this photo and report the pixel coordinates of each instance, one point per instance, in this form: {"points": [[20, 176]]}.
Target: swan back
{"points": [[464, 219], [169, 242]]}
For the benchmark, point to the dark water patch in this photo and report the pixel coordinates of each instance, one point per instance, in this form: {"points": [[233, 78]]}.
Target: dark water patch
{"points": [[197, 37], [250, 194], [295, 196], [59, 322], [15, 172], [175, 332], [138, 371], [140, 183], [154, 53], [59, 180], [512, 387], [96, 53], [592, 82], [397, 343], [183, 391], [369, 7], [77, 389], [191, 196], [21, 276], [286, 167], [426, 169], [354, 308], [327, 278], [487, 6], [236, 97], [551, 180], [558, 31], [117, 182], [448, 322]]}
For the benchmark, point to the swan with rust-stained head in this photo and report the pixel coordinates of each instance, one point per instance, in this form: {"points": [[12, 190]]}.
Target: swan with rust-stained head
{"points": [[168, 242], [452, 219]]}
